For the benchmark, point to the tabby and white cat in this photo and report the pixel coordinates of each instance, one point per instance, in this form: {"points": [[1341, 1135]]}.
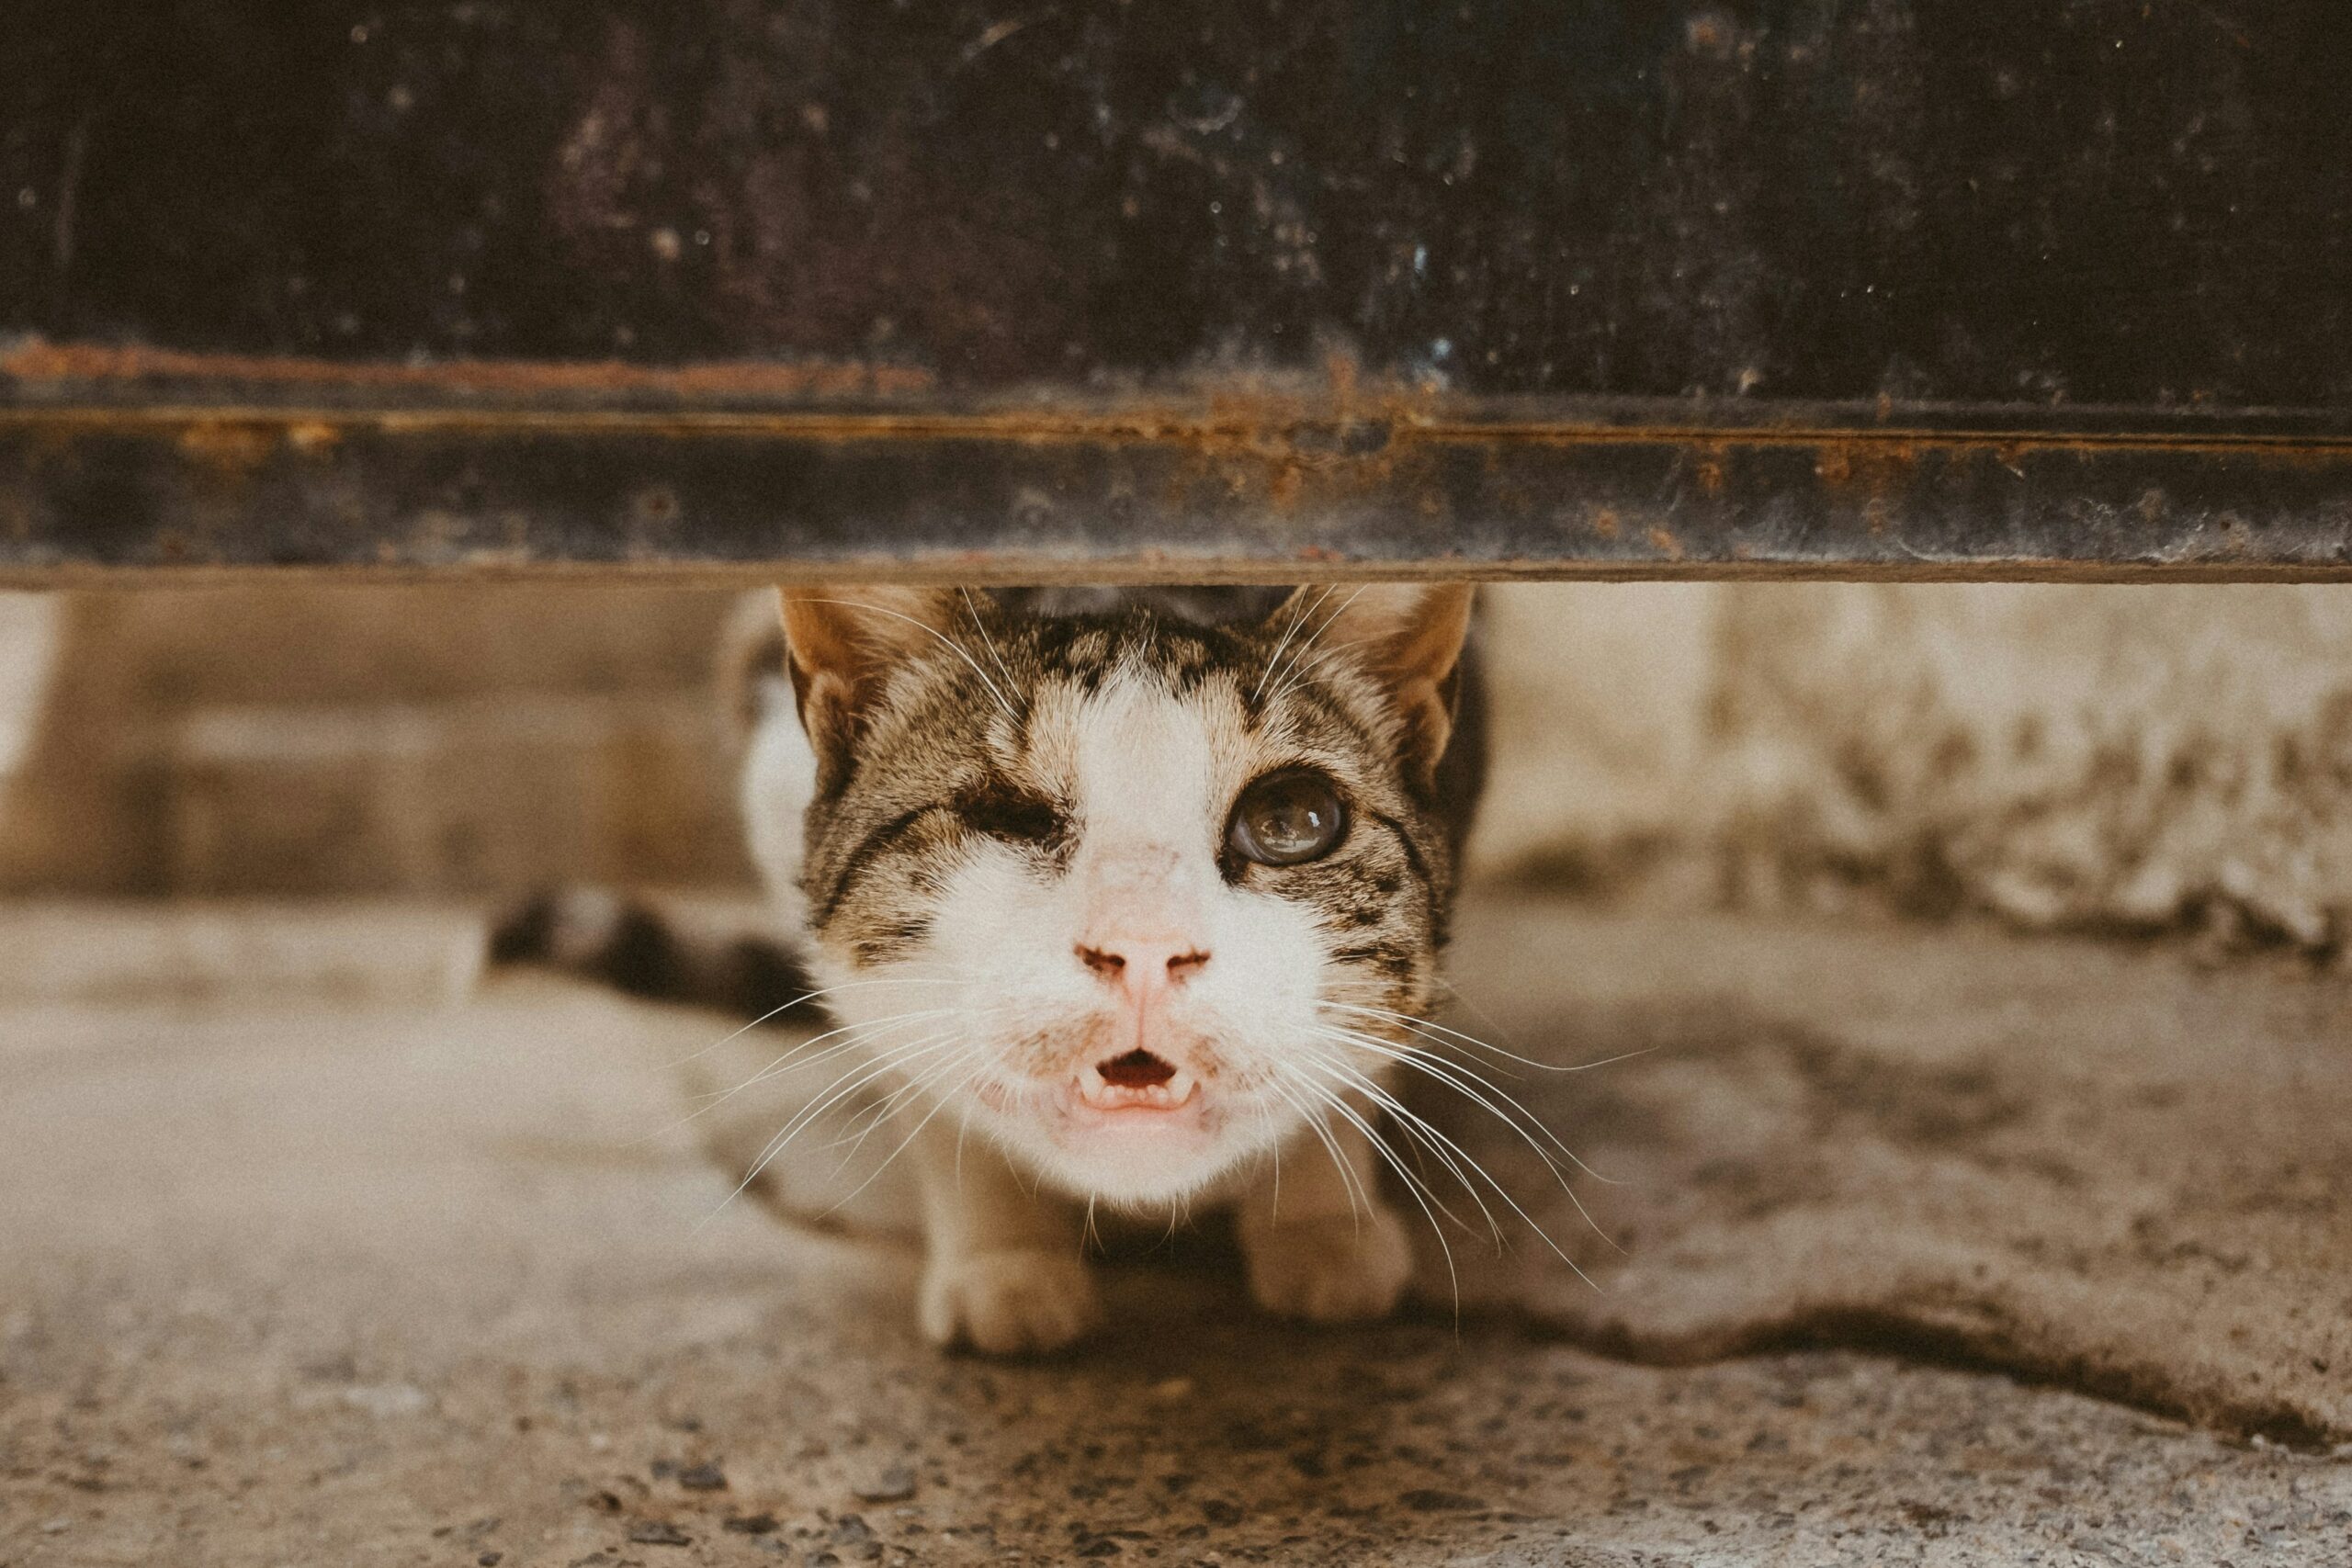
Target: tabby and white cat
{"points": [[1133, 898]]}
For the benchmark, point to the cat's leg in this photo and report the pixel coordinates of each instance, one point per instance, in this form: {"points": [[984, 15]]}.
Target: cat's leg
{"points": [[1004, 1271], [1320, 1242]]}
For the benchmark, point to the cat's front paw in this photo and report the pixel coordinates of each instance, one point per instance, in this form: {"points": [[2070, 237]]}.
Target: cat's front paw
{"points": [[1331, 1269], [1015, 1303]]}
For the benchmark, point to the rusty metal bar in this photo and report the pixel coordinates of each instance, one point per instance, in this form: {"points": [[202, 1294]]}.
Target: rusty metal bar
{"points": [[1267, 492], [1209, 289]]}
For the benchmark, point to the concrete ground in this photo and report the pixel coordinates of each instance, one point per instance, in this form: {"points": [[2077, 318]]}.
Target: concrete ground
{"points": [[1941, 1248]]}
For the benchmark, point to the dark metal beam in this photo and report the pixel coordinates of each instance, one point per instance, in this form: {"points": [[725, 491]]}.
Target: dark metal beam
{"points": [[1269, 487], [1208, 288]]}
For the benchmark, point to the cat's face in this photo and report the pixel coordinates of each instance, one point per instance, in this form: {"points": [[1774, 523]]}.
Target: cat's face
{"points": [[1104, 888]]}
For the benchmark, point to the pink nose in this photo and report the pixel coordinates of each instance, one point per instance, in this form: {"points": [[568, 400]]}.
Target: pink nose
{"points": [[1142, 968]]}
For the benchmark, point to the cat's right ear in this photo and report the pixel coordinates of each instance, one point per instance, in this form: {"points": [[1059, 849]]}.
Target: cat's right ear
{"points": [[840, 644]]}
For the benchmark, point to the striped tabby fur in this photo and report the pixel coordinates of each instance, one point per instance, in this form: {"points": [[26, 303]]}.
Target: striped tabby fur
{"points": [[1006, 823]]}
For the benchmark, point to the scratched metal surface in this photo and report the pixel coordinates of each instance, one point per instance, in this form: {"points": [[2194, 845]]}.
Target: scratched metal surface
{"points": [[1233, 289]]}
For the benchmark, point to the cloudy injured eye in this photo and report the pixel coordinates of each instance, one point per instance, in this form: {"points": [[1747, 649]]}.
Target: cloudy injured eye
{"points": [[1288, 817]]}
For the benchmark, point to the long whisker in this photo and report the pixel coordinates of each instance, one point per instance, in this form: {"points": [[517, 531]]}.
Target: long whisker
{"points": [[1302, 667], [1419, 1190], [811, 997], [1467, 1081], [1453, 989], [1422, 1063], [847, 1084], [844, 1085], [1276, 1209], [856, 1033], [1494, 1227], [1348, 1182], [1389, 1104], [1299, 664], [860, 1034], [792, 1061], [1289, 632], [995, 658], [891, 1061], [902, 1145], [954, 646], [1429, 1133], [1453, 1076], [881, 1111], [892, 1103], [1432, 1029], [888, 1106]]}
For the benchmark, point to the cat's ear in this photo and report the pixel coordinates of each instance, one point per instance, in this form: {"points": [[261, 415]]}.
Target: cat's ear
{"points": [[1407, 636], [840, 644]]}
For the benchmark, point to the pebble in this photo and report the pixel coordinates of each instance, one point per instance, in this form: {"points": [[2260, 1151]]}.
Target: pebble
{"points": [[658, 1532], [702, 1478], [895, 1484]]}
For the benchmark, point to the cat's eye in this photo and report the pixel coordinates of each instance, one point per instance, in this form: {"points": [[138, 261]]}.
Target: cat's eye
{"points": [[1287, 817], [1012, 816]]}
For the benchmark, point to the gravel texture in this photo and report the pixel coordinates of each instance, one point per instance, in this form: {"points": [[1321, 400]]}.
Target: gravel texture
{"points": [[368, 1282]]}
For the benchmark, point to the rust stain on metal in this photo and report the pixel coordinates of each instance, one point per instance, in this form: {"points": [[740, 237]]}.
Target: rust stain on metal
{"points": [[517, 465], [229, 448], [40, 360], [1876, 467], [1343, 423], [1708, 466]]}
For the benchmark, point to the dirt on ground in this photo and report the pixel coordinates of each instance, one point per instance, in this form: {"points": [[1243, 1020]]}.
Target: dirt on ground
{"points": [[1939, 1247]]}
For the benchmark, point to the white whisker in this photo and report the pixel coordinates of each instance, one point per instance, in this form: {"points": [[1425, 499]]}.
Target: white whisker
{"points": [[1419, 1190], [1301, 667], [995, 658], [1348, 1182], [1422, 1063], [891, 1104], [1467, 1081], [903, 1142], [1397, 1108], [791, 1060], [1352, 1079], [1432, 1029], [847, 1084], [1002, 702], [806, 997], [1274, 659]]}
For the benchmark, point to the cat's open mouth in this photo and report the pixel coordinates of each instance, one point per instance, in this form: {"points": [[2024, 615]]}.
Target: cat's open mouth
{"points": [[1136, 1080]]}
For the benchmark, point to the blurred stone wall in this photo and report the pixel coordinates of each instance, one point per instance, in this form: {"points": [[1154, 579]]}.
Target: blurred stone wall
{"points": [[27, 648], [378, 739], [2093, 757], [2102, 757]]}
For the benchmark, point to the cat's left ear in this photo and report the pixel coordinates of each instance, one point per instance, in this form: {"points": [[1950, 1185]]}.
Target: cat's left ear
{"points": [[1407, 636]]}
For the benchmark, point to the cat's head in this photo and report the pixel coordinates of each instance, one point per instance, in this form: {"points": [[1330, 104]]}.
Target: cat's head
{"points": [[1113, 888]]}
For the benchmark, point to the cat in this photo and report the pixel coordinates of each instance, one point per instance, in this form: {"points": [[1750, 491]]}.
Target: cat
{"points": [[1134, 899]]}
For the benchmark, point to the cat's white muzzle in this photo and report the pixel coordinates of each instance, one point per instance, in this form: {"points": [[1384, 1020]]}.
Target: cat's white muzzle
{"points": [[1131, 1144]]}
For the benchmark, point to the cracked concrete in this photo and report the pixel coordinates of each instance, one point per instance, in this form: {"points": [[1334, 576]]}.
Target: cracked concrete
{"points": [[377, 1281]]}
